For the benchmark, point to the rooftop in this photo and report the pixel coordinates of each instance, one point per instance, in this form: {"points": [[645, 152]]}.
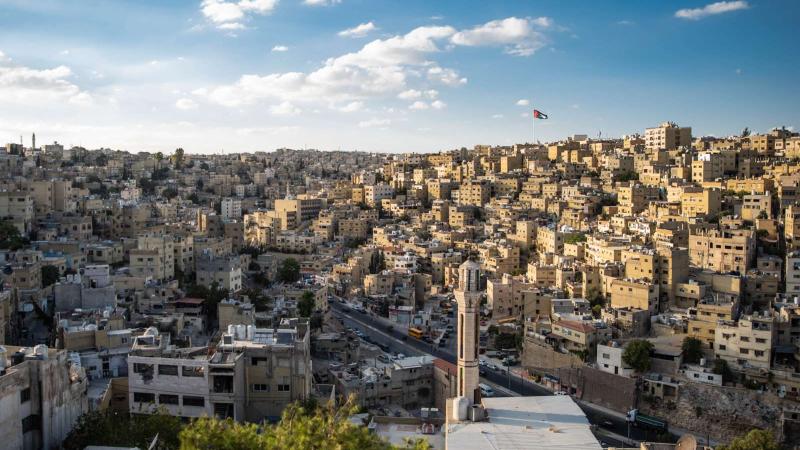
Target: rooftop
{"points": [[525, 423]]}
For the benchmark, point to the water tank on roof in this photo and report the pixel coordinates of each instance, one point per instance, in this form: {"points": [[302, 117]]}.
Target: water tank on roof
{"points": [[106, 314], [232, 329], [91, 327], [251, 331], [241, 332], [151, 331]]}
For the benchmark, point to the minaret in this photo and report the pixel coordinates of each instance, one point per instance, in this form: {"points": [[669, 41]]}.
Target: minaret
{"points": [[33, 141], [468, 296]]}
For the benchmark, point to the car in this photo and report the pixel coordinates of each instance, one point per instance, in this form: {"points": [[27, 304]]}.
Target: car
{"points": [[482, 362], [560, 393], [481, 371], [389, 328], [404, 338], [493, 367], [607, 423], [442, 342], [450, 328], [427, 339]]}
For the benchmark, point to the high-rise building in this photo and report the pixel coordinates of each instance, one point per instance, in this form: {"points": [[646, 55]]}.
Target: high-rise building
{"points": [[468, 296]]}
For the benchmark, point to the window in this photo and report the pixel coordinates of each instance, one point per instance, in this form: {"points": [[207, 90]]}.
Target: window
{"points": [[143, 397], [283, 388], [260, 388], [142, 368], [189, 400], [164, 369], [31, 423], [167, 399], [25, 395], [189, 371]]}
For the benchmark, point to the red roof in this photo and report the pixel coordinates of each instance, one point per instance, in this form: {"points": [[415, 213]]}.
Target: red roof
{"points": [[577, 326], [444, 366]]}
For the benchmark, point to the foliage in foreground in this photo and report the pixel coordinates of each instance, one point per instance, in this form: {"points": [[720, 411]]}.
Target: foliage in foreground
{"points": [[123, 430], [325, 427], [754, 440]]}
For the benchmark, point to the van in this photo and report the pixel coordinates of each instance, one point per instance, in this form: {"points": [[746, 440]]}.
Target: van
{"points": [[486, 390]]}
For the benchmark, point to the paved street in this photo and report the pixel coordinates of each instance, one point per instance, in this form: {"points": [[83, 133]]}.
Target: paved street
{"points": [[379, 332]]}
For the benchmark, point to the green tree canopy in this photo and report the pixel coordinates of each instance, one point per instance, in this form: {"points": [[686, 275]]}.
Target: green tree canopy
{"points": [[9, 236], [754, 440], [637, 355], [692, 349], [50, 275], [300, 428], [306, 304], [123, 430], [177, 158], [289, 270]]}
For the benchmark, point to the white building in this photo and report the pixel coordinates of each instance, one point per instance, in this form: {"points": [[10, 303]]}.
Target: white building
{"points": [[231, 208], [609, 359], [793, 273]]}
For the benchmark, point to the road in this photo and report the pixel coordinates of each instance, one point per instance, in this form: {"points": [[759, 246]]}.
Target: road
{"points": [[398, 342]]}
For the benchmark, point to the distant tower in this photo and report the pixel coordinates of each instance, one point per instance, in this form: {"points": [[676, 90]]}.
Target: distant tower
{"points": [[468, 296], [33, 141]]}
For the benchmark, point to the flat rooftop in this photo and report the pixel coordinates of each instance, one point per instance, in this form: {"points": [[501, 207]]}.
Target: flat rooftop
{"points": [[525, 423]]}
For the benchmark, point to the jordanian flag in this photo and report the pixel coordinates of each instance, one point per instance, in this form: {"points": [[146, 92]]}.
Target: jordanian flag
{"points": [[539, 115]]}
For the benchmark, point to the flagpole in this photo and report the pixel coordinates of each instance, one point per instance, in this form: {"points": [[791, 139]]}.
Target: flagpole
{"points": [[533, 120]]}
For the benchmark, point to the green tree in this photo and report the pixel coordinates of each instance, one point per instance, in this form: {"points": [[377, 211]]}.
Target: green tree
{"points": [[306, 304], [289, 270], [637, 355], [300, 428], [170, 193], [177, 158], [9, 236], [692, 349], [123, 430], [754, 440], [721, 368], [50, 275]]}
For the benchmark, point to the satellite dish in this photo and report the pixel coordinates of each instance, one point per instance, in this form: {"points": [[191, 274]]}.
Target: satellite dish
{"points": [[686, 442]]}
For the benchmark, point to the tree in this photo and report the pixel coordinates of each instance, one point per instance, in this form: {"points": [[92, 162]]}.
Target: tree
{"points": [[692, 350], [301, 427], [50, 275], [306, 304], [170, 193], [746, 132], [177, 158], [289, 270], [9, 236], [637, 355], [754, 440], [721, 368], [123, 430]]}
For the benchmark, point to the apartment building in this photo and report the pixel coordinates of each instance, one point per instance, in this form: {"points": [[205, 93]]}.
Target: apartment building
{"points": [[474, 192], [252, 375], [231, 208], [638, 294], [224, 271], [723, 250], [703, 318], [746, 343], [667, 136], [42, 396], [17, 207]]}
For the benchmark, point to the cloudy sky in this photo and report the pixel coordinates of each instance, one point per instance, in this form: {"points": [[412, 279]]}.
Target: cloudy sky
{"points": [[404, 75]]}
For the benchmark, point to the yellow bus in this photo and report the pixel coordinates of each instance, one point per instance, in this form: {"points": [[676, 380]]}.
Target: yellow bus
{"points": [[415, 333]]}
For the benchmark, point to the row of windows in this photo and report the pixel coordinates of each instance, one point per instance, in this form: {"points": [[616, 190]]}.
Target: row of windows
{"points": [[168, 399]]}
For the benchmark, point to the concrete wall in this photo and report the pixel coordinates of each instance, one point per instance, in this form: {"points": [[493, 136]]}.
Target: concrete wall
{"points": [[601, 388], [542, 358]]}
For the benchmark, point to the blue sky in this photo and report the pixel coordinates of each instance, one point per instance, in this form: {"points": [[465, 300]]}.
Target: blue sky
{"points": [[248, 75]]}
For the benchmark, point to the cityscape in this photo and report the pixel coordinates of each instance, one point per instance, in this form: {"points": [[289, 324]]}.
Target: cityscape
{"points": [[341, 224]]}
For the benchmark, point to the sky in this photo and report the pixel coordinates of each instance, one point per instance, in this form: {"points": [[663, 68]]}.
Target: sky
{"points": [[388, 76]]}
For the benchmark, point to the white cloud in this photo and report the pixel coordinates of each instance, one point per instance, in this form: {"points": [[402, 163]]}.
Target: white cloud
{"points": [[29, 85], [284, 109], [397, 66], [358, 31], [351, 107], [410, 94], [497, 116], [711, 9], [738, 71], [280, 48], [517, 35], [374, 122], [448, 77], [322, 2], [228, 15], [438, 104], [419, 105], [523, 102], [625, 22], [186, 104]]}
